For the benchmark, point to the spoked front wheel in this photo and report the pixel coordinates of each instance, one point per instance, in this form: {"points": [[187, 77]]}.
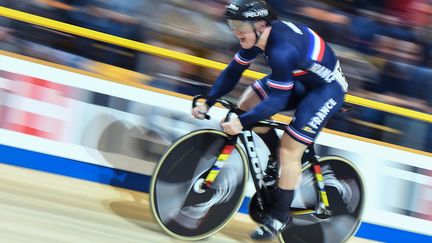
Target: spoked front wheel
{"points": [[181, 206], [346, 194]]}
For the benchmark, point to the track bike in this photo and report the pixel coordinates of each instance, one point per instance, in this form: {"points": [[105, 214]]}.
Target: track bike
{"points": [[200, 181]]}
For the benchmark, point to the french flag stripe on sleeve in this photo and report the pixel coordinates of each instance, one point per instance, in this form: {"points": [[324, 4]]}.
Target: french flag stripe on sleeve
{"points": [[299, 136], [241, 60], [318, 47], [280, 85], [299, 72]]}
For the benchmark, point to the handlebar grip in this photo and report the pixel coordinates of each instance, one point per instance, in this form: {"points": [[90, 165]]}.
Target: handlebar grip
{"points": [[207, 117], [194, 104], [225, 103]]}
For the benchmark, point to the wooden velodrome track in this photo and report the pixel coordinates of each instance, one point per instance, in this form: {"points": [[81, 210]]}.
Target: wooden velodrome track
{"points": [[42, 207]]}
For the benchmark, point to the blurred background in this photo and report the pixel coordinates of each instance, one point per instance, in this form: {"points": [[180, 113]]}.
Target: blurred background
{"points": [[385, 48]]}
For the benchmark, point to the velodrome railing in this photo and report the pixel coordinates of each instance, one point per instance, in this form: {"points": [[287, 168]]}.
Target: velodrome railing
{"points": [[162, 52]]}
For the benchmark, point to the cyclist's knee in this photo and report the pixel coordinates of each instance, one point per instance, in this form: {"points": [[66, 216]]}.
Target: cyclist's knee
{"points": [[243, 106], [261, 130], [290, 150], [289, 157], [248, 100]]}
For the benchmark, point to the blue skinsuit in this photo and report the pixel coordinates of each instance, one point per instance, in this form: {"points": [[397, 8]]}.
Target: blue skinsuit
{"points": [[306, 76]]}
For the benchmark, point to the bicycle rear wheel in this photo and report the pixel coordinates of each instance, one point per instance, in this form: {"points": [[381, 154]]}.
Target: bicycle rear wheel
{"points": [[346, 194], [182, 210]]}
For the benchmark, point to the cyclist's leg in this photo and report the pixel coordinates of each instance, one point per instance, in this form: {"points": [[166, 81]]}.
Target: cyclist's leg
{"points": [[311, 115], [249, 99], [290, 154], [252, 96]]}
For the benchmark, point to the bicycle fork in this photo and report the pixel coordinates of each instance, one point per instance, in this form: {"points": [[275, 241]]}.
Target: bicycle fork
{"points": [[220, 162], [323, 207], [256, 171]]}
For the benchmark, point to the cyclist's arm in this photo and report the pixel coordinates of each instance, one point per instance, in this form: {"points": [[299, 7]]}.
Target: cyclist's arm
{"points": [[229, 77], [280, 82]]}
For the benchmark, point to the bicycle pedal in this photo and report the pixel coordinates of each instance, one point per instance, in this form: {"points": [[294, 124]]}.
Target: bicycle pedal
{"points": [[325, 212], [328, 212]]}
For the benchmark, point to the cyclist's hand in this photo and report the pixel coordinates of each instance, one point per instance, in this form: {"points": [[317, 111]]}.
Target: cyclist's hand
{"points": [[232, 127], [200, 111]]}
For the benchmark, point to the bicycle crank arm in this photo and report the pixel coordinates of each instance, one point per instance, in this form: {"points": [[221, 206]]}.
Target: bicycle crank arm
{"points": [[323, 209], [298, 212]]}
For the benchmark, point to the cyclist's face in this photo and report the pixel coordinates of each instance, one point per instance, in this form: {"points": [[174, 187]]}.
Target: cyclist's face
{"points": [[244, 31]]}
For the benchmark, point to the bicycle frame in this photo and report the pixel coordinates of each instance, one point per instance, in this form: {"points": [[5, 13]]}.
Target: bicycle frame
{"points": [[256, 171]]}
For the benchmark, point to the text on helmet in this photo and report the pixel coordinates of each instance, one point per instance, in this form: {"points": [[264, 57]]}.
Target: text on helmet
{"points": [[256, 13]]}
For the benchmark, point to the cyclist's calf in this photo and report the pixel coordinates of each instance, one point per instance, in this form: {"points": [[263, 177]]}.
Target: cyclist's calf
{"points": [[290, 154]]}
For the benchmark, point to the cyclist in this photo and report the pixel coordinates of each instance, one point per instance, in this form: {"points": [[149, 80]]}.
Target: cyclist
{"points": [[305, 73]]}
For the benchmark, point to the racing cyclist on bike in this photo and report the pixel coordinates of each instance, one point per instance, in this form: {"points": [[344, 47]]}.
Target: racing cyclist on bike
{"points": [[302, 65]]}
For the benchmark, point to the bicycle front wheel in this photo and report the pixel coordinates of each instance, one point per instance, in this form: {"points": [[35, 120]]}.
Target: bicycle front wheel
{"points": [[179, 206]]}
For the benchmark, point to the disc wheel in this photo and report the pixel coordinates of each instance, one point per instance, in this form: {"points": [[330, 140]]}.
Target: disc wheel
{"points": [[178, 201], [345, 191]]}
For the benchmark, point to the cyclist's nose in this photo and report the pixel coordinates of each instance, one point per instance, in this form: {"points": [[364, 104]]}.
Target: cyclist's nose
{"points": [[238, 34]]}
